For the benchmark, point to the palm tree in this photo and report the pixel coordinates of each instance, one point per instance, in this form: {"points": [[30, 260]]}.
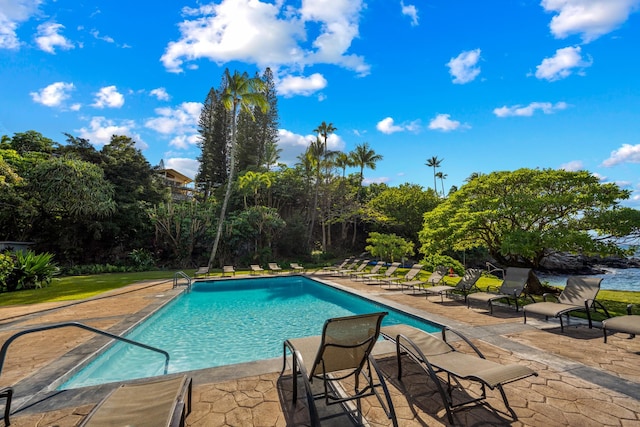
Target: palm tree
{"points": [[343, 161], [271, 155], [442, 177], [434, 163], [241, 93], [364, 156], [325, 130], [251, 183]]}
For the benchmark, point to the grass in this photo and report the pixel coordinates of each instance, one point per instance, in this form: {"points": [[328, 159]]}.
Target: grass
{"points": [[80, 287]]}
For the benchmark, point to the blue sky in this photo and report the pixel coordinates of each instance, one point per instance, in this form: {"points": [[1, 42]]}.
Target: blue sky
{"points": [[483, 85]]}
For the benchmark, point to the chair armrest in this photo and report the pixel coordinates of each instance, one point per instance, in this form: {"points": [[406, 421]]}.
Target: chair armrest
{"points": [[629, 307]]}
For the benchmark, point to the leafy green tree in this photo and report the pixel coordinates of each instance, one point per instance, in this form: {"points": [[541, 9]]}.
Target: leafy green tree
{"points": [[523, 216], [180, 226], [241, 94], [388, 246], [402, 208], [434, 162], [256, 226], [25, 142], [251, 183]]}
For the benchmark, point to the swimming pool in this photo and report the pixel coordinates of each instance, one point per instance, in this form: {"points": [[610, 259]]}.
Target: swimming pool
{"points": [[232, 321]]}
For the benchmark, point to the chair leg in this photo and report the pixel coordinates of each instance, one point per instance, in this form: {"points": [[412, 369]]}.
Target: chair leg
{"points": [[506, 402], [7, 393]]}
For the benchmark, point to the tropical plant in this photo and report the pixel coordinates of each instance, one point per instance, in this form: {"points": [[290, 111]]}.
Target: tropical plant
{"points": [[240, 94], [142, 259], [31, 270], [442, 176], [388, 247], [432, 261], [364, 156], [6, 267]]}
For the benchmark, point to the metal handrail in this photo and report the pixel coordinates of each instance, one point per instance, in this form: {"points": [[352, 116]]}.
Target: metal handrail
{"points": [[184, 275], [5, 346], [492, 268]]}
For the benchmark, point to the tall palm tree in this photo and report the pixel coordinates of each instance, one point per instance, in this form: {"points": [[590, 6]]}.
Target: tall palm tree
{"points": [[434, 163], [325, 130], [241, 93], [364, 156], [442, 176], [343, 161]]}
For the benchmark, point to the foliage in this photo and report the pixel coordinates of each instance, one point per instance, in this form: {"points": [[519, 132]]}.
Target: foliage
{"points": [[521, 217], [388, 246], [6, 267], [252, 231], [30, 270], [432, 261], [402, 208], [142, 259]]}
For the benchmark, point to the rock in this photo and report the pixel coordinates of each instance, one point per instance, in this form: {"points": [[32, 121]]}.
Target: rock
{"points": [[580, 264]]}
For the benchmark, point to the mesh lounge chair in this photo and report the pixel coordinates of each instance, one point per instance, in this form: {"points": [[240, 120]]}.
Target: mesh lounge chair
{"points": [[338, 266], [408, 280], [435, 355], [463, 286], [274, 268], [342, 351], [202, 271], [296, 267], [386, 275], [374, 270], [629, 324], [350, 266], [515, 279], [228, 269], [156, 403], [256, 269], [352, 270], [578, 295]]}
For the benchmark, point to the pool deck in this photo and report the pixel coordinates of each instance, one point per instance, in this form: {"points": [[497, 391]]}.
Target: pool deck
{"points": [[581, 381]]}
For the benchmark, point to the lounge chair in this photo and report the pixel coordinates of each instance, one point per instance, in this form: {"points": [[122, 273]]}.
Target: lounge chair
{"points": [[342, 351], [256, 269], [435, 355], [388, 273], [408, 280], [359, 268], [578, 295], [339, 266], [156, 403], [296, 267], [7, 394], [515, 280], [228, 269], [350, 266], [374, 270], [463, 286], [202, 271], [274, 268], [629, 324]]}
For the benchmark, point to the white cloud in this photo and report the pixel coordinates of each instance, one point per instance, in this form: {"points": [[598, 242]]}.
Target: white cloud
{"points": [[96, 34], [48, 37], [601, 178], [573, 166], [561, 65], [378, 180], [188, 167], [529, 110], [53, 95], [410, 11], [590, 18], [180, 122], [12, 14], [108, 96], [626, 154], [75, 107], [101, 129], [293, 144], [443, 123], [387, 126], [160, 93], [269, 34], [464, 67], [298, 85]]}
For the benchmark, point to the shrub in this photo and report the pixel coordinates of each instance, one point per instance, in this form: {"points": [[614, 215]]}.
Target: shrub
{"points": [[6, 267], [432, 261], [142, 259], [31, 270]]}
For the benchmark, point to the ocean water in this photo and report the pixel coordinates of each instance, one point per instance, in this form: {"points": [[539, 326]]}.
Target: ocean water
{"points": [[621, 279]]}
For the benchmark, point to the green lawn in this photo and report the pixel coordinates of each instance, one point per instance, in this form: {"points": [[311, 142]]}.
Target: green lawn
{"points": [[80, 287]]}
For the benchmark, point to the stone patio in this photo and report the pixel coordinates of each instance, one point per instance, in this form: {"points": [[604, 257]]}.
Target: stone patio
{"points": [[581, 382]]}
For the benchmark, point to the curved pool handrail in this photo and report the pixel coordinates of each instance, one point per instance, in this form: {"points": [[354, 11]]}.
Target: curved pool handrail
{"points": [[5, 346]]}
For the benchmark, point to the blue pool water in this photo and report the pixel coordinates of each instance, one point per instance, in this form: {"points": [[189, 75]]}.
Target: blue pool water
{"points": [[233, 321]]}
